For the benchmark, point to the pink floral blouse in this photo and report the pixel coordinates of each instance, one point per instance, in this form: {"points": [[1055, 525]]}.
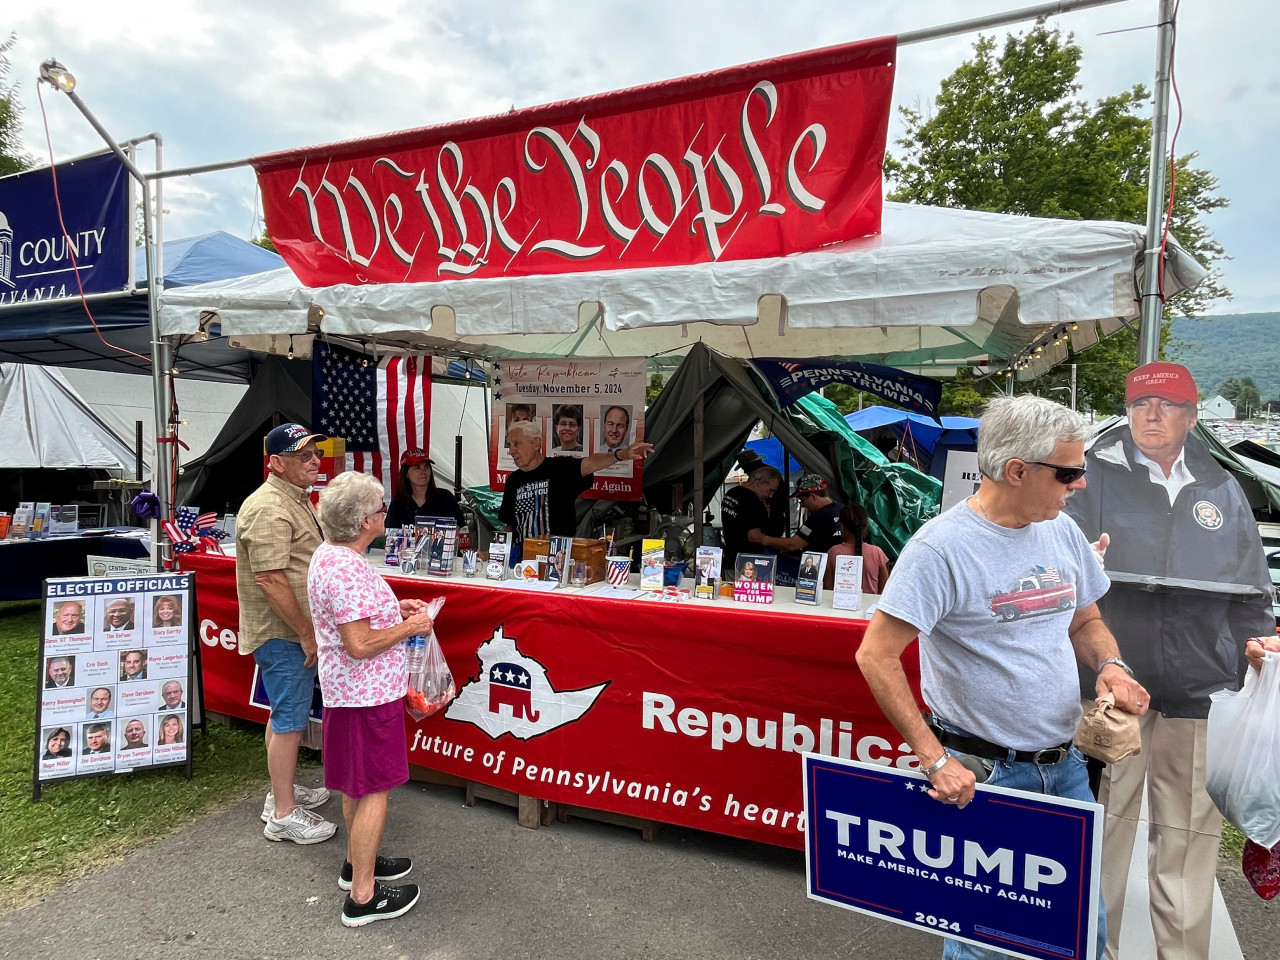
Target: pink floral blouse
{"points": [[343, 588]]}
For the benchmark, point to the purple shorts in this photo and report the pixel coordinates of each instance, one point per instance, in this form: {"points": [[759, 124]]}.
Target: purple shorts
{"points": [[364, 749]]}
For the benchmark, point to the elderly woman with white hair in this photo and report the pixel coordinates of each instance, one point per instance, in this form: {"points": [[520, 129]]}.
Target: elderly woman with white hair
{"points": [[360, 628]]}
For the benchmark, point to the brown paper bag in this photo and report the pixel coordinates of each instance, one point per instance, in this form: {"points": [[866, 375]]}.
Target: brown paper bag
{"points": [[1107, 733]]}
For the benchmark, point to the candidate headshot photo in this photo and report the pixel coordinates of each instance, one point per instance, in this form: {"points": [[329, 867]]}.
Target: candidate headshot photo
{"points": [[166, 611], [133, 665], [171, 694], [99, 705], [97, 738], [68, 619], [59, 672], [134, 736], [520, 411], [118, 615], [746, 570], [57, 743], [566, 421], [169, 731], [615, 425]]}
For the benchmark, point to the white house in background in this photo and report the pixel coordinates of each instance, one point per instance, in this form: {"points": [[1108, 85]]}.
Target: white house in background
{"points": [[1216, 408]]}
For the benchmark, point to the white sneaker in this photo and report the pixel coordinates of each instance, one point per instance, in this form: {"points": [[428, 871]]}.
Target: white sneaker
{"points": [[306, 797], [300, 826]]}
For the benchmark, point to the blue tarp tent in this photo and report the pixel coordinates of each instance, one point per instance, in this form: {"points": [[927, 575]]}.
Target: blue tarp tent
{"points": [[58, 333], [932, 439]]}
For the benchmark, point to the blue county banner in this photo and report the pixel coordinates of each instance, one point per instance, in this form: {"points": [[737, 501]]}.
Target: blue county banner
{"points": [[792, 379], [1014, 872], [38, 261]]}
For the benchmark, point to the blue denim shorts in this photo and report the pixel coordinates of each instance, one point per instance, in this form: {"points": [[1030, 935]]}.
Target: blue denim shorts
{"points": [[288, 682]]}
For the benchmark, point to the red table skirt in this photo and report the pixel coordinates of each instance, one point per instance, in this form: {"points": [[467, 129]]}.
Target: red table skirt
{"points": [[692, 713]]}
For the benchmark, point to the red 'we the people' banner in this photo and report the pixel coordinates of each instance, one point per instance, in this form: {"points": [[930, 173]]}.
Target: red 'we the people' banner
{"points": [[754, 161]]}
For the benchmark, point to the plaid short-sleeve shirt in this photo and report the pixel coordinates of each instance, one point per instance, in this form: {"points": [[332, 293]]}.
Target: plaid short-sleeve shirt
{"points": [[276, 529]]}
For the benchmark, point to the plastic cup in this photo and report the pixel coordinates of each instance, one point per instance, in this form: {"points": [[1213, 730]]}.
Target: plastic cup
{"points": [[617, 570]]}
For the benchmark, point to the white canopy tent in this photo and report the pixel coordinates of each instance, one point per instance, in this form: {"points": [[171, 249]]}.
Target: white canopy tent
{"points": [[936, 289], [44, 423]]}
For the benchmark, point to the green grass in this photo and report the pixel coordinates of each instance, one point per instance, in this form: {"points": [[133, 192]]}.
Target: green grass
{"points": [[81, 824]]}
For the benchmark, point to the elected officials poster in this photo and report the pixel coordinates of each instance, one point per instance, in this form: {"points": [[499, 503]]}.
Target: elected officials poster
{"points": [[115, 675]]}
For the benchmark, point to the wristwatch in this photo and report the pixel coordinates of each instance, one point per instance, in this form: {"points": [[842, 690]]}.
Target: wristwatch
{"points": [[1118, 662], [937, 765], [617, 456]]}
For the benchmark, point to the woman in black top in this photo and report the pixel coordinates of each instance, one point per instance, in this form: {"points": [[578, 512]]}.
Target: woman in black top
{"points": [[417, 494]]}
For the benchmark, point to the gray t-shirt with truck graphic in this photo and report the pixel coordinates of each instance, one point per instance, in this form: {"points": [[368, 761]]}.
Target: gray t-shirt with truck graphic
{"points": [[993, 606]]}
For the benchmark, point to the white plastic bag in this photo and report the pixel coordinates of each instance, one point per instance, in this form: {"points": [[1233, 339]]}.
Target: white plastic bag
{"points": [[431, 686], [1242, 772]]}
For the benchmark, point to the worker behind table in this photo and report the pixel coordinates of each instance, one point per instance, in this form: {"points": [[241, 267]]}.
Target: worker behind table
{"points": [[745, 514], [541, 494], [820, 530], [417, 494], [1160, 507], [1001, 685]]}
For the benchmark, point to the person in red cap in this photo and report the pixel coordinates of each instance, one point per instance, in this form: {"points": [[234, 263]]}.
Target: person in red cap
{"points": [[417, 494], [1189, 587]]}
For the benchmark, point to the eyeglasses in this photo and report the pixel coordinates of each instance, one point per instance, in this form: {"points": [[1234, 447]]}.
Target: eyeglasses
{"points": [[1064, 475], [303, 455]]}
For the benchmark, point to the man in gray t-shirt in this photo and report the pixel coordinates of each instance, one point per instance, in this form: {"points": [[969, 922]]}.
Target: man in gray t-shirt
{"points": [[1002, 592]]}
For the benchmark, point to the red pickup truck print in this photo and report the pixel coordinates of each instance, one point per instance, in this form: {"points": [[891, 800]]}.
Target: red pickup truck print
{"points": [[1039, 592]]}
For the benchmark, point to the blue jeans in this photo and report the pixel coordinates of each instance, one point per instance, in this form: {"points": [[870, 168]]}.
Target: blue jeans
{"points": [[1066, 779], [288, 682]]}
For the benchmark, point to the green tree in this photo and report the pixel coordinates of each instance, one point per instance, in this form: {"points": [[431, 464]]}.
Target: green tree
{"points": [[1248, 400], [1007, 134], [1232, 386], [12, 159], [653, 389], [265, 243]]}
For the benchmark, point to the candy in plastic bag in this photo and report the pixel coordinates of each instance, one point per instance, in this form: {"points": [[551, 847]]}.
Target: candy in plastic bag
{"points": [[1262, 869]]}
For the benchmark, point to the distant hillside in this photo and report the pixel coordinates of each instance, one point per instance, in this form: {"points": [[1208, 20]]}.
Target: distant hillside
{"points": [[1231, 345]]}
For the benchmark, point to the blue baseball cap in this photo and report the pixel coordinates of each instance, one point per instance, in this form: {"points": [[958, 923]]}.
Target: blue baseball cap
{"points": [[289, 437]]}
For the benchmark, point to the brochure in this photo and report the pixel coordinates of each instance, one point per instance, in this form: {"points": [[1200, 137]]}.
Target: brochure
{"points": [[559, 560], [63, 519], [496, 568], [706, 571], [443, 546], [652, 557], [847, 591], [809, 579], [753, 582]]}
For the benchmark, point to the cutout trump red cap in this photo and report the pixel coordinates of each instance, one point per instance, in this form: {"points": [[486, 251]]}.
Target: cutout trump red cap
{"points": [[1168, 381]]}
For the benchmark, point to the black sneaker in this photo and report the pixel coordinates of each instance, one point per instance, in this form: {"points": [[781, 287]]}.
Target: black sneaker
{"points": [[386, 902], [385, 868]]}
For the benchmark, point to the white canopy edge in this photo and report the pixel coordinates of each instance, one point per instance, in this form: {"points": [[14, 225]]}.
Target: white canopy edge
{"points": [[938, 285]]}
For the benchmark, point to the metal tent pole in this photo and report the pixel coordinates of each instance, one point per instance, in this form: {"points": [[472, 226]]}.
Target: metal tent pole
{"points": [[1152, 304]]}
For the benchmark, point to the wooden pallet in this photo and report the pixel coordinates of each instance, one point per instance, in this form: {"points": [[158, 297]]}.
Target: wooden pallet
{"points": [[649, 829]]}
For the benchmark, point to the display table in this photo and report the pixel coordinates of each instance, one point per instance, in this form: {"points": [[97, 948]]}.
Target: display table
{"points": [[26, 564], [691, 713]]}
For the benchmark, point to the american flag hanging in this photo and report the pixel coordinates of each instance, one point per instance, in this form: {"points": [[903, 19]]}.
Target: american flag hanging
{"points": [[381, 409]]}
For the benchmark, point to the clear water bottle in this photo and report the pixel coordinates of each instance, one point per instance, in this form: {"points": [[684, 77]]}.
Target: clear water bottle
{"points": [[416, 652]]}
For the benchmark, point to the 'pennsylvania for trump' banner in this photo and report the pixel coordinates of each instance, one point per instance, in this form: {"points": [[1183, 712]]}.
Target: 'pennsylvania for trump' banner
{"points": [[792, 379], [761, 160], [381, 408]]}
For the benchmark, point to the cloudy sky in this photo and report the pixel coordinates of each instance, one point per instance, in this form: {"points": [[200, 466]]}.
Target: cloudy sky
{"points": [[245, 77]]}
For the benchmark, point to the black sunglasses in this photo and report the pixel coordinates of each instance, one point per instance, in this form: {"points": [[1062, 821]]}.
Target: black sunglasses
{"points": [[1064, 475]]}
